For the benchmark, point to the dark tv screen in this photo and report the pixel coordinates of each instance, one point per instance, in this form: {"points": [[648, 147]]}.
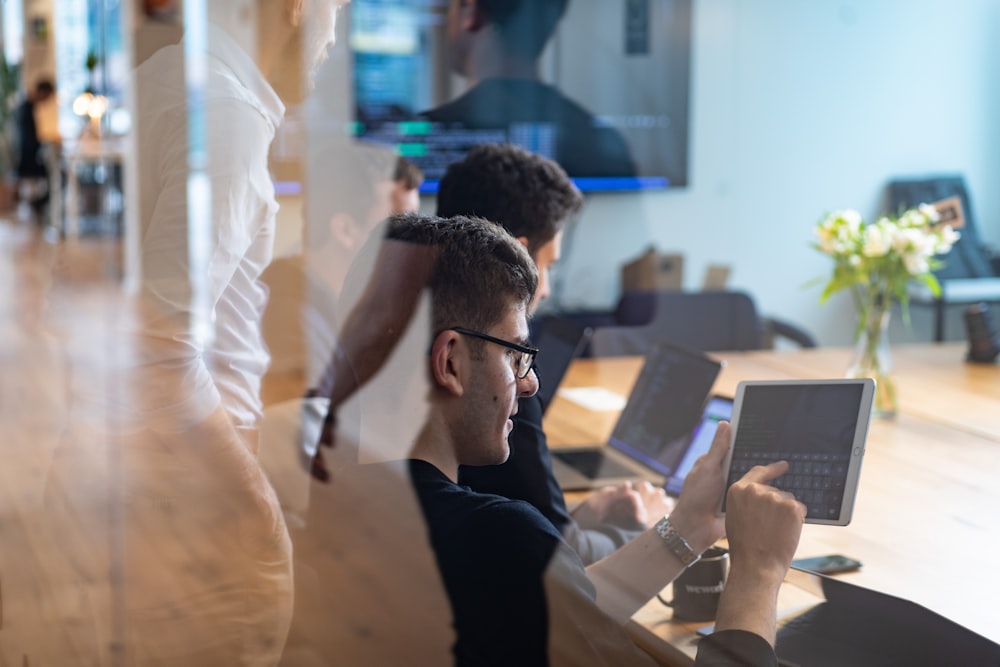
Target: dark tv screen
{"points": [[607, 97]]}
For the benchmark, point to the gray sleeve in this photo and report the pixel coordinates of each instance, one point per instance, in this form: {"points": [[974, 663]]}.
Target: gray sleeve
{"points": [[593, 545]]}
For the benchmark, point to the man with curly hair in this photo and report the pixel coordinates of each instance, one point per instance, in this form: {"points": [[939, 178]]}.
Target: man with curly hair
{"points": [[533, 199]]}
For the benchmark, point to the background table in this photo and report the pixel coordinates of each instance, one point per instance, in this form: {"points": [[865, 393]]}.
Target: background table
{"points": [[927, 517]]}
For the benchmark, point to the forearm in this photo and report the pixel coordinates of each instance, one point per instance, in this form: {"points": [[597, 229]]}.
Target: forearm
{"points": [[379, 319], [749, 602], [594, 544], [368, 338], [629, 577]]}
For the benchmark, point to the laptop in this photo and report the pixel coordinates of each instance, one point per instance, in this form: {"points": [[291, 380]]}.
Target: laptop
{"points": [[559, 342], [857, 626], [717, 409], [654, 429], [864, 628]]}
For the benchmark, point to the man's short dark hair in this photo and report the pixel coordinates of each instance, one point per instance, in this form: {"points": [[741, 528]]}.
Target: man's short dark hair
{"points": [[525, 26], [531, 196], [44, 88], [407, 172], [481, 270]]}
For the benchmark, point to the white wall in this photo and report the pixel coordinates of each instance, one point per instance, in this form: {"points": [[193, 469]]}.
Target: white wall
{"points": [[799, 107]]}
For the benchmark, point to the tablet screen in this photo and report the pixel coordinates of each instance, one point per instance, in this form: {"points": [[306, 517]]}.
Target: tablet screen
{"points": [[818, 426]]}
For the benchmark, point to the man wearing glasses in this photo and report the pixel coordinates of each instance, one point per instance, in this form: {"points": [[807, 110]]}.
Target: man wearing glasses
{"points": [[519, 595], [533, 199]]}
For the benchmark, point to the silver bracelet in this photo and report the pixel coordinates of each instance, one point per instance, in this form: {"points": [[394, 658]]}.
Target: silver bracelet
{"points": [[676, 543]]}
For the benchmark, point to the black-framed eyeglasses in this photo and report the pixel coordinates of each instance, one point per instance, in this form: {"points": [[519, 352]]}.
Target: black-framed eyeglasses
{"points": [[523, 361]]}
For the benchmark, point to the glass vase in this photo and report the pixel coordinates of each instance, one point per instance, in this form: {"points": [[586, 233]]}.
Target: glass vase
{"points": [[872, 359]]}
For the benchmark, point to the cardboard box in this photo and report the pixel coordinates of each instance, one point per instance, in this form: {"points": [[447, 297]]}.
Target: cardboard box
{"points": [[654, 270]]}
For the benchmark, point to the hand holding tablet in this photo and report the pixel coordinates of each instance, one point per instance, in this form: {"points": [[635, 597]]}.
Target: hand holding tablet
{"points": [[818, 426]]}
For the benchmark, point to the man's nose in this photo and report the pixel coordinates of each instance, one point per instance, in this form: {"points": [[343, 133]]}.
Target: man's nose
{"points": [[529, 384]]}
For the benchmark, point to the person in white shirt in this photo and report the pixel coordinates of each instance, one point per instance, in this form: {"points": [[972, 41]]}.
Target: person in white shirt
{"points": [[207, 571]]}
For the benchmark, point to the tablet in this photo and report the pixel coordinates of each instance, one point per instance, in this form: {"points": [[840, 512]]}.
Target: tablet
{"points": [[818, 426]]}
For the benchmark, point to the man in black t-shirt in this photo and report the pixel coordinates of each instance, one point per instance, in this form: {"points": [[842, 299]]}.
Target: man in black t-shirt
{"points": [[534, 199], [518, 593]]}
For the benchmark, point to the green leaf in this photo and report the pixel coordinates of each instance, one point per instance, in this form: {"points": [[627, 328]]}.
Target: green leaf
{"points": [[931, 281]]}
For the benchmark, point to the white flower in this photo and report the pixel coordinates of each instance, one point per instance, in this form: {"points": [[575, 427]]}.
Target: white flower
{"points": [[851, 218], [839, 232], [916, 247], [912, 219], [875, 241], [930, 213], [916, 263], [890, 251], [905, 239], [946, 238], [827, 240]]}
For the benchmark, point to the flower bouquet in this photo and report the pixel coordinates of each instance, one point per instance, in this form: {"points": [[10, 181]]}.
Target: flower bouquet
{"points": [[876, 262]]}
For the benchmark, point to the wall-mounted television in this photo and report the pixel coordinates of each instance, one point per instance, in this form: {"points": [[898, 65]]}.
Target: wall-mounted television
{"points": [[609, 100]]}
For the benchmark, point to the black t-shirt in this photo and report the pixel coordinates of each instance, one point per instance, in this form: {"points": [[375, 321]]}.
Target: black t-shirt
{"points": [[527, 475], [29, 162], [492, 553]]}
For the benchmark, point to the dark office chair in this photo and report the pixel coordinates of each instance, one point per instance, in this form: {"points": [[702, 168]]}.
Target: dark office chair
{"points": [[971, 272], [723, 320]]}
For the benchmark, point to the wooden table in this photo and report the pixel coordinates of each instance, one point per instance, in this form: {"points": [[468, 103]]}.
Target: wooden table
{"points": [[927, 518]]}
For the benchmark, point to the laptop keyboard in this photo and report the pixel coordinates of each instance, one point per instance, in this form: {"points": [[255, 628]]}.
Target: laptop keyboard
{"points": [[816, 480]]}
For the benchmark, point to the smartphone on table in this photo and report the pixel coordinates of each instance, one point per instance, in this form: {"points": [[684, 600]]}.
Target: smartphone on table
{"points": [[830, 564]]}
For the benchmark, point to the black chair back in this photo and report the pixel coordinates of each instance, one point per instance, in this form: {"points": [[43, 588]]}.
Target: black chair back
{"points": [[967, 258]]}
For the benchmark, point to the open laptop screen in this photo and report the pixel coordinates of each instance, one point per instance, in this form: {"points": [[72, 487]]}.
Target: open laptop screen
{"points": [[665, 406], [559, 342], [717, 409]]}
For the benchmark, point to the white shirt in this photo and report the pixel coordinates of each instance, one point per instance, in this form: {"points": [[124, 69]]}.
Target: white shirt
{"points": [[187, 374]]}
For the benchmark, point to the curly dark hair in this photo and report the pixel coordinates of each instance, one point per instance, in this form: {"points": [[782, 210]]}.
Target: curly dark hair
{"points": [[531, 196], [480, 270]]}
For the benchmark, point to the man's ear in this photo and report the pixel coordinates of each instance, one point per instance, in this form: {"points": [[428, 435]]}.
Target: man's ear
{"points": [[345, 231], [448, 361], [293, 9], [523, 240]]}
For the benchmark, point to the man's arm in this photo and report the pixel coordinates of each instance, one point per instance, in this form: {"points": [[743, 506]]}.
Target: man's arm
{"points": [[764, 525], [628, 578], [634, 506], [376, 323]]}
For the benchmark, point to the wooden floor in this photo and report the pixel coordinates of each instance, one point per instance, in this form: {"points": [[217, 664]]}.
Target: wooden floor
{"points": [[54, 567], [62, 578]]}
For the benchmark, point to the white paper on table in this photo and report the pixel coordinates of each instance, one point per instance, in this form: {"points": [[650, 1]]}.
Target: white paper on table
{"points": [[594, 398]]}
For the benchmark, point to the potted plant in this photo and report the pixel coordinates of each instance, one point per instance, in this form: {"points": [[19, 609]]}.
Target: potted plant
{"points": [[10, 77]]}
